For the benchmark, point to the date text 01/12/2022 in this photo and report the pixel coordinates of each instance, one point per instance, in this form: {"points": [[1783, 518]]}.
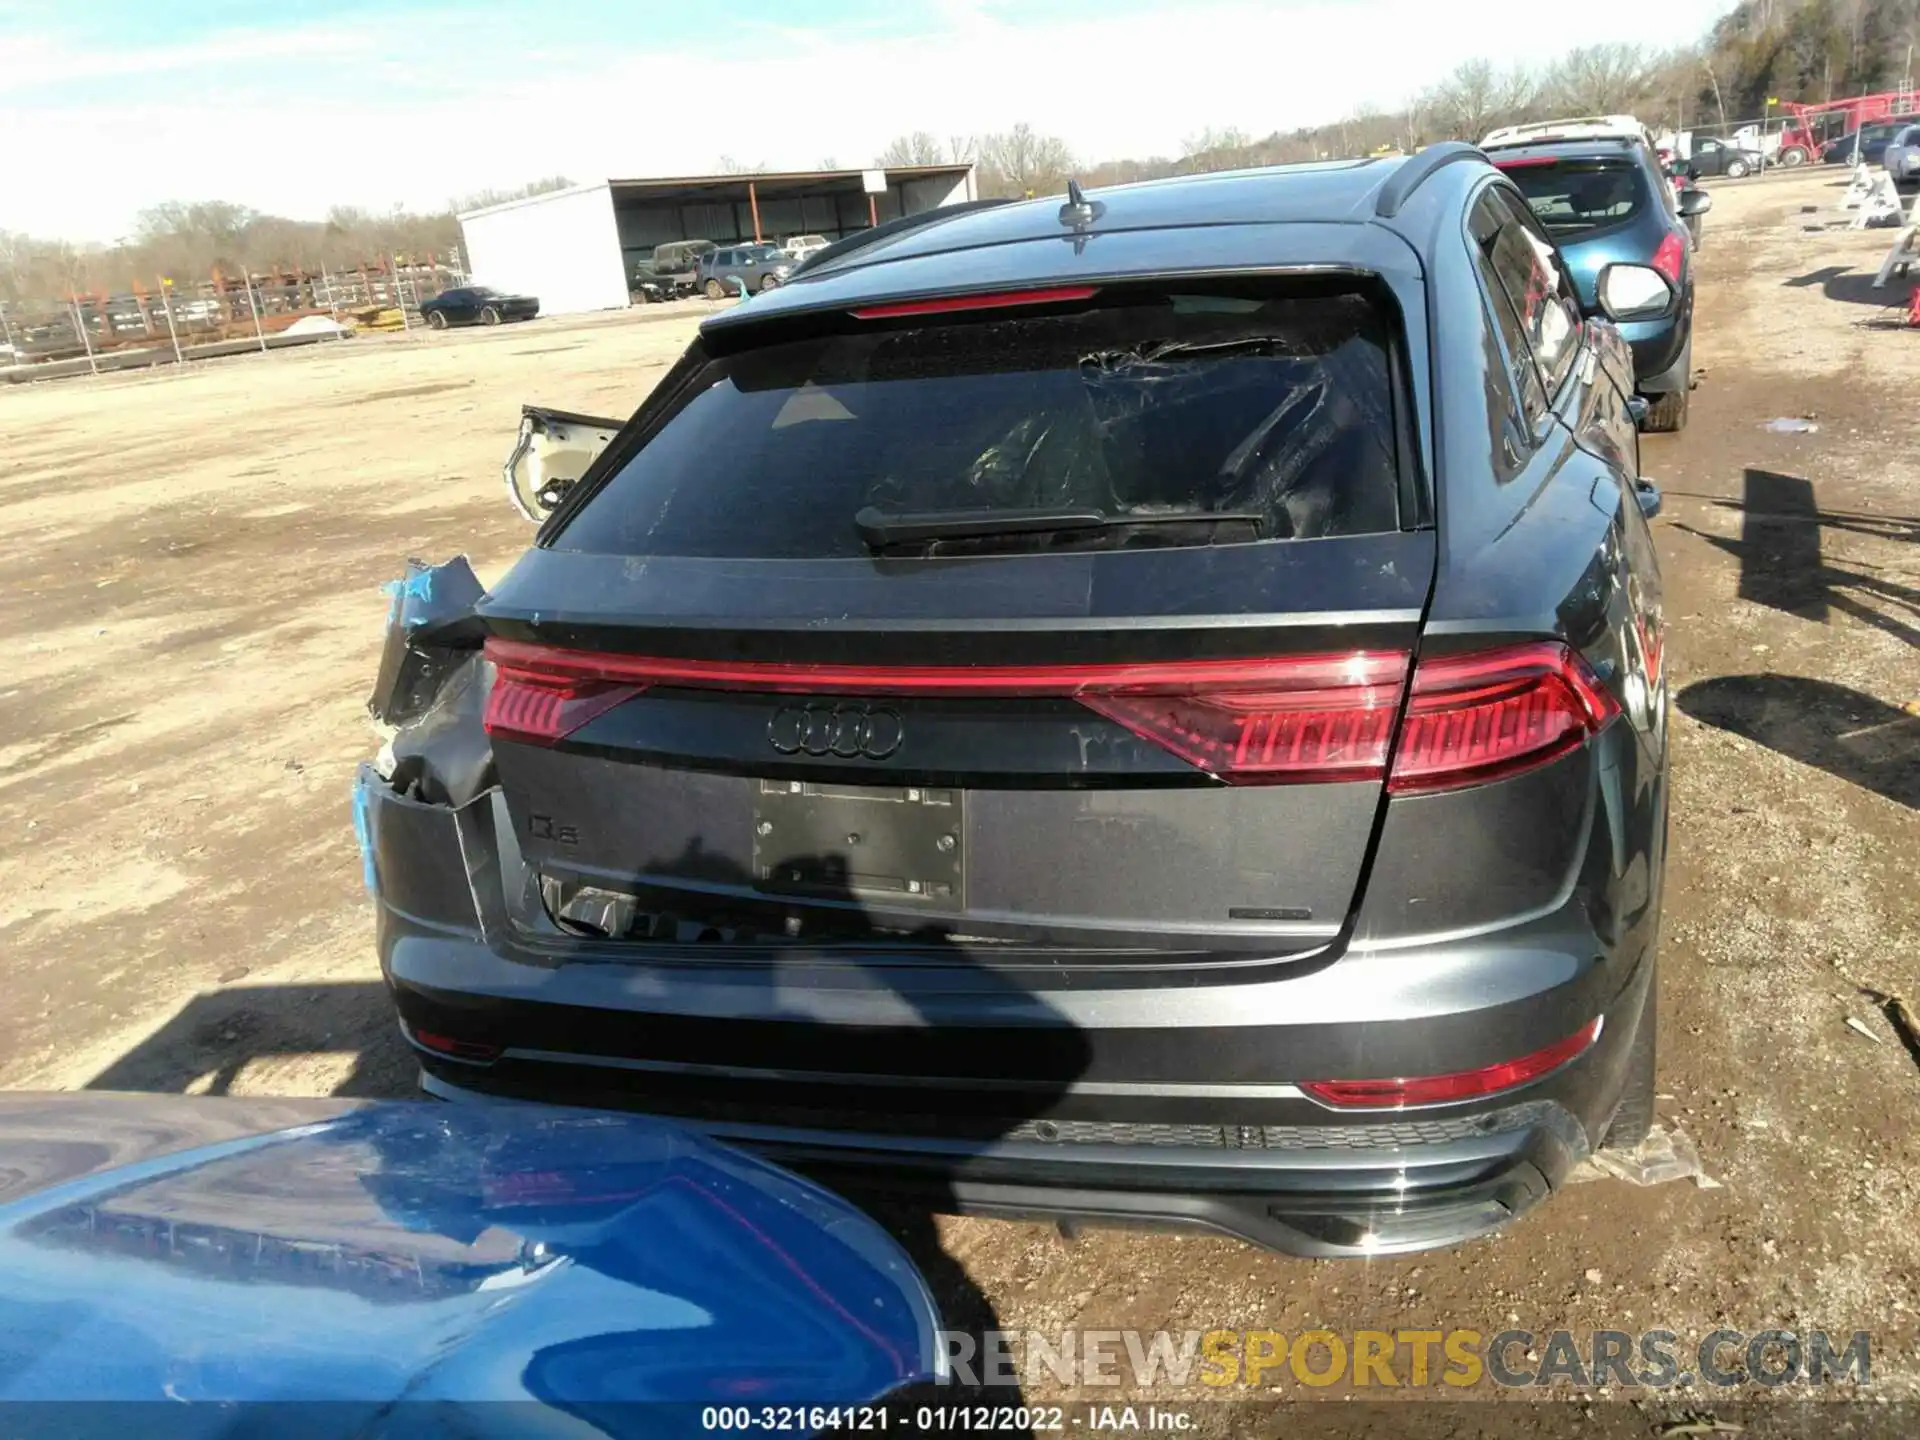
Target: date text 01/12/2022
{"points": [[938, 1419]]}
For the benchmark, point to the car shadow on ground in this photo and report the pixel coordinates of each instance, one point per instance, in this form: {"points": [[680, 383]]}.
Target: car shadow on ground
{"points": [[1831, 727], [219, 1034], [1850, 287], [1783, 565]]}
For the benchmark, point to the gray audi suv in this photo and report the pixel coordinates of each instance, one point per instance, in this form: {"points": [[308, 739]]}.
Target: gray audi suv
{"points": [[1144, 709]]}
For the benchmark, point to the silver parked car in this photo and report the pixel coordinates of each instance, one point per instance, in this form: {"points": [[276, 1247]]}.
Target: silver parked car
{"points": [[1902, 156], [757, 267]]}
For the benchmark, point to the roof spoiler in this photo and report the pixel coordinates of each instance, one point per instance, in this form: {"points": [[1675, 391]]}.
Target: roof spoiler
{"points": [[860, 239], [1414, 171]]}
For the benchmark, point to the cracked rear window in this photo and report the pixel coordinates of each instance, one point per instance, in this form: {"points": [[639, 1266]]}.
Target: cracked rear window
{"points": [[1257, 417]]}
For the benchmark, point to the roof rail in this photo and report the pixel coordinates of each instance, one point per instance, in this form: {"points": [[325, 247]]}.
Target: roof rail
{"points": [[1414, 171], [886, 230]]}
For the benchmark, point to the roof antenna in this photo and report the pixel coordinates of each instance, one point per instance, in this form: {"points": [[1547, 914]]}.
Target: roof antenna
{"points": [[1079, 211]]}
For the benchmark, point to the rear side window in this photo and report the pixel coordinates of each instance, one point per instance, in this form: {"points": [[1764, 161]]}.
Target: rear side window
{"points": [[1576, 198], [1529, 272], [1158, 419]]}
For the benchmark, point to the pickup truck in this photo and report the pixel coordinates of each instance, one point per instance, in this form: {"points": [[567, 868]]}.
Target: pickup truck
{"points": [[671, 272]]}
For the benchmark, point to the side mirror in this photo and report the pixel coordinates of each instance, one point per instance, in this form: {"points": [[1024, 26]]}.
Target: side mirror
{"points": [[1649, 497], [1694, 202], [1632, 292]]}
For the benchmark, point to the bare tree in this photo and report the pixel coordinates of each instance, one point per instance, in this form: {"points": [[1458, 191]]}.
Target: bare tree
{"points": [[1019, 162], [1211, 149], [731, 166], [919, 148], [1600, 79], [480, 199], [1464, 106]]}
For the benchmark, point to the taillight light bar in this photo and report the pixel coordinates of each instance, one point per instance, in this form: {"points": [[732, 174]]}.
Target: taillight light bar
{"points": [[993, 300], [1291, 719], [1397, 1094], [1492, 713]]}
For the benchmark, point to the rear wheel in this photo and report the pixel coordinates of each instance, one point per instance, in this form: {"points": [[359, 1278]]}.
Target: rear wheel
{"points": [[1634, 1118], [1736, 169], [436, 320], [1667, 413], [489, 316], [1793, 155], [714, 290]]}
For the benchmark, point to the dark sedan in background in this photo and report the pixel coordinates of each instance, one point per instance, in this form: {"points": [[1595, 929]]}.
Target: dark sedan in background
{"points": [[1868, 144], [476, 305], [1148, 709]]}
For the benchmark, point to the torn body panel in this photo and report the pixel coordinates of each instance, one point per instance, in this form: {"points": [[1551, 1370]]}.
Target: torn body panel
{"points": [[551, 452]]}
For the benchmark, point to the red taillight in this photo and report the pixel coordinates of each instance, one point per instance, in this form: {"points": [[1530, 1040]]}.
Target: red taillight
{"points": [[458, 1049], [1293, 719], [1668, 257], [1164, 677], [1526, 164], [537, 701], [1479, 717], [1462, 1085], [1312, 718], [997, 300]]}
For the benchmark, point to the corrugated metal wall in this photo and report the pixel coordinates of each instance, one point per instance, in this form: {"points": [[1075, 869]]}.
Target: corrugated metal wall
{"points": [[644, 224]]}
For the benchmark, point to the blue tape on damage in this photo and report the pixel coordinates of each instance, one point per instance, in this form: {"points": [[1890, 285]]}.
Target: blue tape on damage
{"points": [[363, 832], [417, 586]]}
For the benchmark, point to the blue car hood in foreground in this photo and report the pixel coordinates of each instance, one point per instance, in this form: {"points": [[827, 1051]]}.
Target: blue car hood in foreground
{"points": [[574, 1264]]}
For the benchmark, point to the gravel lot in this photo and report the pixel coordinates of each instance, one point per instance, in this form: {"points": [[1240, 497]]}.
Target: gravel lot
{"points": [[193, 618]]}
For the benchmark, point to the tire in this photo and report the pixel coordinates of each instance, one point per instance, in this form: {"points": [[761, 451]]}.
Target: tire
{"points": [[715, 291], [489, 315], [1736, 169], [1793, 155], [1634, 1118], [1667, 413], [770, 282], [436, 320]]}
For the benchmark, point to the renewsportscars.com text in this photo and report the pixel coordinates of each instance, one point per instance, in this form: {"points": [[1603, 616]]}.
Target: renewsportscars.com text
{"points": [[1383, 1359]]}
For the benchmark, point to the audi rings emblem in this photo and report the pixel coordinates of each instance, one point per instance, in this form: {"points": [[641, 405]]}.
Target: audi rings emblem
{"points": [[850, 730]]}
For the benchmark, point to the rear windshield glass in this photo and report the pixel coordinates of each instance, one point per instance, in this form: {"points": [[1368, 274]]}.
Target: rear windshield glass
{"points": [[1169, 419], [1575, 196]]}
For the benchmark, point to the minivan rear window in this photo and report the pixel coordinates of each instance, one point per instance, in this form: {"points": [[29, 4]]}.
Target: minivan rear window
{"points": [[1575, 197], [1156, 418]]}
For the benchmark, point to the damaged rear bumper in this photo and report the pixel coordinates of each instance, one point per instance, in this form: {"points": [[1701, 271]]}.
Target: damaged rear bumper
{"points": [[1164, 1104]]}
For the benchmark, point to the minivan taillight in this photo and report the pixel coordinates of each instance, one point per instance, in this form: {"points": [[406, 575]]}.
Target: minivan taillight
{"points": [[1486, 715]]}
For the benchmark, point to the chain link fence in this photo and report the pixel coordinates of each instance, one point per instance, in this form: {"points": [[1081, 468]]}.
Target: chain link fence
{"points": [[179, 321]]}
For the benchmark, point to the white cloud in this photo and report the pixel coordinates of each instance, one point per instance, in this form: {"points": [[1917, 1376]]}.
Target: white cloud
{"points": [[324, 127], [35, 63]]}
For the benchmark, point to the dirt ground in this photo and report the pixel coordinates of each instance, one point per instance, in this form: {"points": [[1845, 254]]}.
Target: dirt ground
{"points": [[193, 618]]}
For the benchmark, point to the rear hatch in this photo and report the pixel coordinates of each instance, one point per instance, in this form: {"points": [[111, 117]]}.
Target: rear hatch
{"points": [[1596, 209], [1075, 625]]}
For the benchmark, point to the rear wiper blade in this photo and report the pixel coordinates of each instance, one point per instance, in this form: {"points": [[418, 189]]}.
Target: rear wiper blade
{"points": [[882, 528]]}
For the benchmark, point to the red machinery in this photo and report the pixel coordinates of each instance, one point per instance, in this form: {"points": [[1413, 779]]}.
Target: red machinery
{"points": [[1812, 126]]}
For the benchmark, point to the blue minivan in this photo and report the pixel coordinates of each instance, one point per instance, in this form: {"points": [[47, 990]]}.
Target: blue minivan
{"points": [[1626, 241]]}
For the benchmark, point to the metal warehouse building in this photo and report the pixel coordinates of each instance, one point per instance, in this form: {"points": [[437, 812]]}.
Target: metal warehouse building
{"points": [[576, 248]]}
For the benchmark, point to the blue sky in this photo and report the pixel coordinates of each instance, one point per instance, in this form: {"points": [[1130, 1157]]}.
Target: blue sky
{"points": [[107, 106]]}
